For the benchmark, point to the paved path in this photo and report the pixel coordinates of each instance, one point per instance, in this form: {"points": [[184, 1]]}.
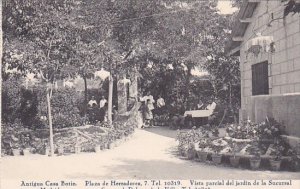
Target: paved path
{"points": [[149, 154]]}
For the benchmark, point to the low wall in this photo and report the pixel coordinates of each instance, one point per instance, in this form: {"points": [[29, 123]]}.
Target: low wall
{"points": [[284, 108]]}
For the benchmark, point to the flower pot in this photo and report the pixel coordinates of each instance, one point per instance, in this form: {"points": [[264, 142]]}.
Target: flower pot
{"points": [[60, 151], [234, 161], [77, 149], [191, 154], [110, 145], [26, 151], [216, 158], [182, 151], [97, 148], [254, 163], [202, 155], [275, 164], [15, 152], [46, 152]]}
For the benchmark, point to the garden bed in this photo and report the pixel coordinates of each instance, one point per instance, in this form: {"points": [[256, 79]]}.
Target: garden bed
{"points": [[255, 146], [67, 140]]}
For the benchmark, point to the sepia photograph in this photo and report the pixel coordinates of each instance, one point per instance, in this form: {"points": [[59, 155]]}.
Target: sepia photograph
{"points": [[160, 94]]}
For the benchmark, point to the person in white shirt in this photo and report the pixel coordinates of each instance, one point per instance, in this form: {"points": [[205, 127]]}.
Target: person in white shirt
{"points": [[102, 102], [160, 102], [92, 102], [211, 106]]}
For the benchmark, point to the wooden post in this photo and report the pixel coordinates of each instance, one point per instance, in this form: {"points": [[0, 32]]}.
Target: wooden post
{"points": [[110, 96], [50, 122]]}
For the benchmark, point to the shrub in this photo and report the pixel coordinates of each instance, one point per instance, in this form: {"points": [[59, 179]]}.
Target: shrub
{"points": [[64, 107], [11, 99]]}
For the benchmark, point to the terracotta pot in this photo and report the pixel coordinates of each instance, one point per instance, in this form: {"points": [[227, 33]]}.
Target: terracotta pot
{"points": [[275, 164], [182, 151], [46, 152], [110, 145], [202, 155], [254, 163], [98, 149], [216, 158], [191, 154], [234, 161], [26, 151], [15, 152], [60, 151], [77, 149]]}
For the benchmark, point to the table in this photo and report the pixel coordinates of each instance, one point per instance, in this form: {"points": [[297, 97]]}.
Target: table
{"points": [[198, 113]]}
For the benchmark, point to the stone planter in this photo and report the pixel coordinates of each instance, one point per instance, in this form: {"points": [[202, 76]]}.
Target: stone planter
{"points": [[275, 164], [234, 161], [254, 163], [202, 156], [216, 158], [15, 152]]}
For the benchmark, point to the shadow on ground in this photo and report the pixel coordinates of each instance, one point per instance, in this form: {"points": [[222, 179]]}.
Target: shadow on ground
{"points": [[163, 131], [158, 169]]}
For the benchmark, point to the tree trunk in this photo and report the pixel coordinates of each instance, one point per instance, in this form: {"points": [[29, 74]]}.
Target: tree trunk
{"points": [[230, 104], [224, 114], [50, 121], [188, 78], [110, 96], [85, 95]]}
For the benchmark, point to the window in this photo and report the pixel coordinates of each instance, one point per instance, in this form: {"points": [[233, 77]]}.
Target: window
{"points": [[260, 79]]}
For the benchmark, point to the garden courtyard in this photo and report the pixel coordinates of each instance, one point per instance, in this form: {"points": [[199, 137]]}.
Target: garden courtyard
{"points": [[149, 153]]}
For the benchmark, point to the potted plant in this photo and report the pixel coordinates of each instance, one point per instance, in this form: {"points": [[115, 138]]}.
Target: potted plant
{"points": [[234, 159], [60, 150], [77, 148], [15, 150], [191, 152], [182, 143], [276, 153], [97, 148], [202, 154], [255, 159], [217, 146], [25, 151]]}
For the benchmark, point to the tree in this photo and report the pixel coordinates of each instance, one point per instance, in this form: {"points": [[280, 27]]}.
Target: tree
{"points": [[40, 42]]}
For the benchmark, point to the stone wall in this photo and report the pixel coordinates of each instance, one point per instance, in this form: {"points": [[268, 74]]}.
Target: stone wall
{"points": [[284, 108], [284, 66]]}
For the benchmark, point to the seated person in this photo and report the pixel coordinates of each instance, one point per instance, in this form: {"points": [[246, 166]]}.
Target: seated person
{"points": [[92, 102], [211, 106]]}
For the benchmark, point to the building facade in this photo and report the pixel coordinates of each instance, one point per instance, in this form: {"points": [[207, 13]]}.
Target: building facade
{"points": [[266, 36]]}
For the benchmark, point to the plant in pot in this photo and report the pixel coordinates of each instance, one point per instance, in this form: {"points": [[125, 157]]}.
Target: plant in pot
{"points": [[255, 160], [60, 150], [191, 152], [217, 146], [15, 149], [276, 153], [201, 152], [25, 150], [234, 159], [294, 153], [182, 142]]}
